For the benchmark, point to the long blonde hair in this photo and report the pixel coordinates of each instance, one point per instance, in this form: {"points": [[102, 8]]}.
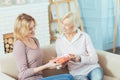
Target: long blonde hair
{"points": [[73, 19], [21, 27]]}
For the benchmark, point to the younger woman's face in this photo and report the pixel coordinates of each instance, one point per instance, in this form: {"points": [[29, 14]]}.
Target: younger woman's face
{"points": [[31, 29]]}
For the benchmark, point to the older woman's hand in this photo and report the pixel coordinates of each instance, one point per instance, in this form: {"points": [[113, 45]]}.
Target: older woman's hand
{"points": [[76, 58]]}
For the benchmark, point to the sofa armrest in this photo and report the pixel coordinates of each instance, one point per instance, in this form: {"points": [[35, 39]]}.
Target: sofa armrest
{"points": [[5, 77], [110, 62], [8, 65]]}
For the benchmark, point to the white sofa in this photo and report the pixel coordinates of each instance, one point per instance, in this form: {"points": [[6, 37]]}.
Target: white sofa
{"points": [[110, 63]]}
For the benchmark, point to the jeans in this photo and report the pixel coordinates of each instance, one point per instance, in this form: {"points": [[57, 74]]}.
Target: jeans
{"points": [[59, 77], [95, 74]]}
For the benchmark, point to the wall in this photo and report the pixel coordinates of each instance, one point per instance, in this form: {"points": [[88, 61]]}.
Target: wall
{"points": [[98, 20]]}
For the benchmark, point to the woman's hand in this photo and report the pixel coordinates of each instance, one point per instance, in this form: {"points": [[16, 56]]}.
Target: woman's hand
{"points": [[76, 58], [64, 64], [52, 64]]}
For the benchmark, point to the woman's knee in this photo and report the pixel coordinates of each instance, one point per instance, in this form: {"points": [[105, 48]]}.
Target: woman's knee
{"points": [[96, 74], [97, 77]]}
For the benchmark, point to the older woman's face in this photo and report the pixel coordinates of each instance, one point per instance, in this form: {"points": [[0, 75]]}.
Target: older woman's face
{"points": [[31, 29], [67, 27]]}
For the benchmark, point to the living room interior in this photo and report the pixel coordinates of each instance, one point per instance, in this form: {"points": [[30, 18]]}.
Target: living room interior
{"points": [[99, 18]]}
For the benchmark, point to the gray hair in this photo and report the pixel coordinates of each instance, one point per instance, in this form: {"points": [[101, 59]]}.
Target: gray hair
{"points": [[73, 19]]}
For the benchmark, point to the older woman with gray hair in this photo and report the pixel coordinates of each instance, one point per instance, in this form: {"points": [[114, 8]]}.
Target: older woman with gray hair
{"points": [[84, 65]]}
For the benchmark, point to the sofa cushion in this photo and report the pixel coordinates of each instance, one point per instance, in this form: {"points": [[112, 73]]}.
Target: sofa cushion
{"points": [[5, 77], [49, 53], [8, 65], [110, 78]]}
